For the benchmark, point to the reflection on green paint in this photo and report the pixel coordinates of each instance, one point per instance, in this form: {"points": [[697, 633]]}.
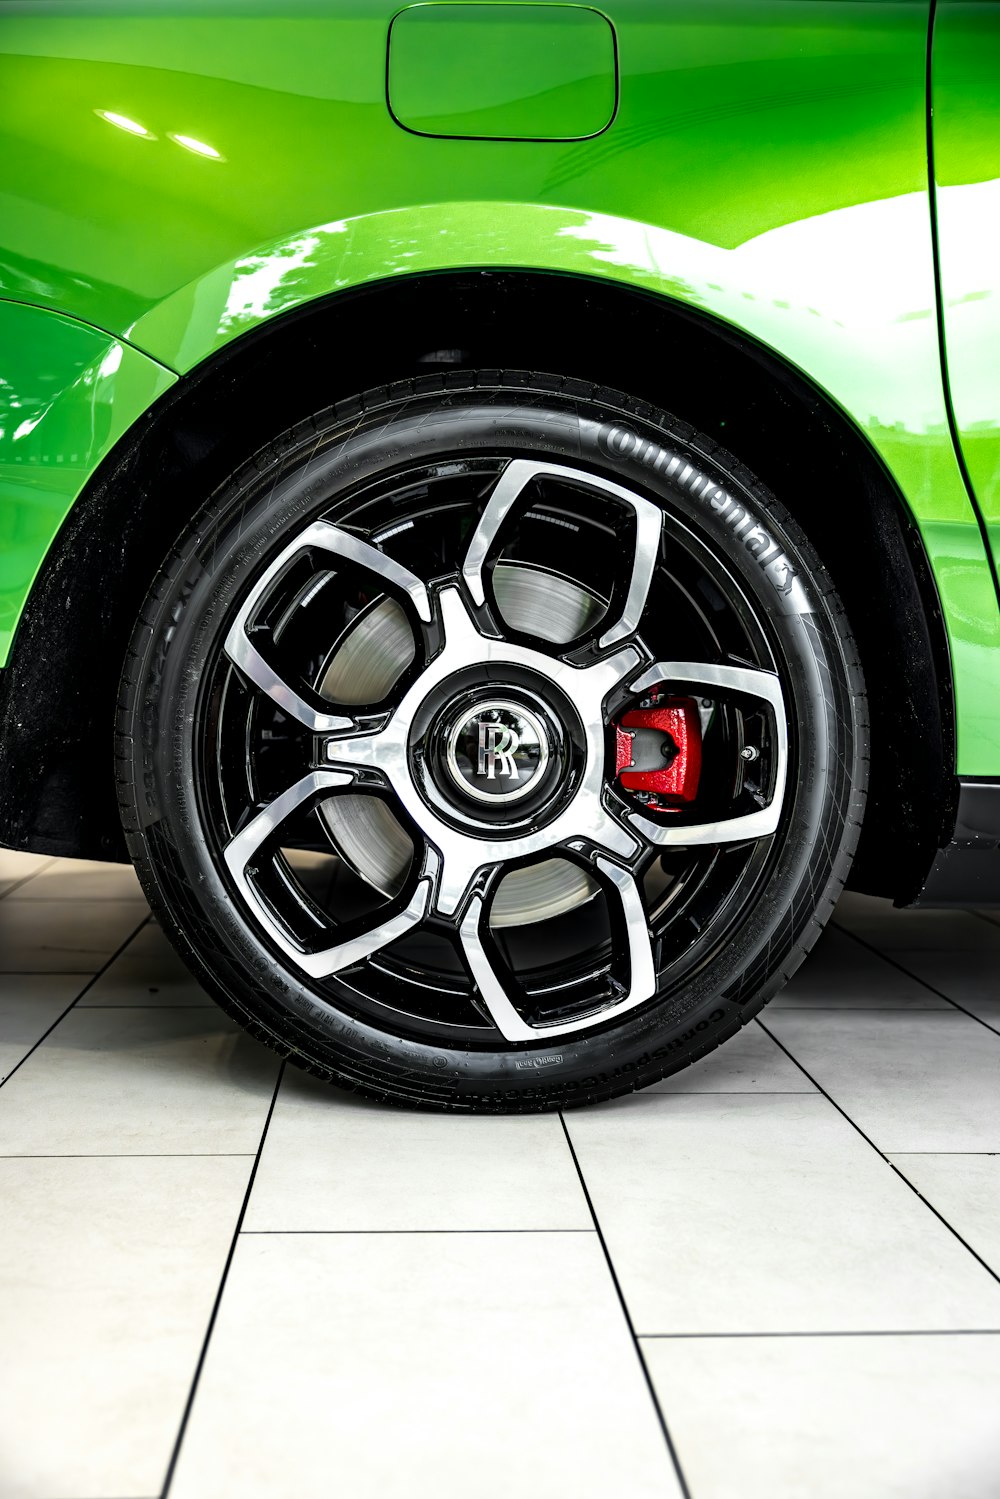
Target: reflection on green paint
{"points": [[767, 164], [966, 84], [67, 394]]}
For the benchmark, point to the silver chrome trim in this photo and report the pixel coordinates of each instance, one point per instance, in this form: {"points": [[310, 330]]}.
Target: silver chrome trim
{"points": [[642, 973], [506, 490], [503, 1014], [241, 849], [244, 654], [649, 522]]}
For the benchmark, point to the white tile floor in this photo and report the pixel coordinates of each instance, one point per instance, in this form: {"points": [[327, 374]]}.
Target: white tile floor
{"points": [[777, 1274]]}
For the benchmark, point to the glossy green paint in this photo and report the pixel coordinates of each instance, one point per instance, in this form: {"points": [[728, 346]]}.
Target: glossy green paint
{"points": [[767, 164], [67, 394], [966, 99], [502, 72]]}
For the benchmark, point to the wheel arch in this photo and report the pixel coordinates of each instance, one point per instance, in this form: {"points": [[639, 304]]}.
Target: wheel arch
{"points": [[57, 695]]}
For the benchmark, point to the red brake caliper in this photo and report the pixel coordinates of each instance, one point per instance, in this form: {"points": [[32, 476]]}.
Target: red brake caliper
{"points": [[658, 750]]}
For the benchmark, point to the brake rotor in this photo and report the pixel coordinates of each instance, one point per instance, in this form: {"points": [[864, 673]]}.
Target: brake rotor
{"points": [[366, 660]]}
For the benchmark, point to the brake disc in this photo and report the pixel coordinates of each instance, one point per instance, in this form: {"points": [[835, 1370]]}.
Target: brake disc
{"points": [[366, 660]]}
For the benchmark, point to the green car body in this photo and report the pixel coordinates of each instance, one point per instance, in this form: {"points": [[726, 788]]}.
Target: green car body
{"points": [[181, 180]]}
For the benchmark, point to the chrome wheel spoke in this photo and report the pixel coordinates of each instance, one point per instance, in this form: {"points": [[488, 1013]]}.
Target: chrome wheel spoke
{"points": [[630, 931], [239, 643], [242, 850], [368, 753], [747, 682], [611, 834], [244, 654], [630, 940], [506, 493], [461, 860], [602, 830], [648, 522], [483, 962]]}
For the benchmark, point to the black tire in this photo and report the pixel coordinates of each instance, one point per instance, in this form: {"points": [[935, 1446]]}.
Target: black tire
{"points": [[718, 974]]}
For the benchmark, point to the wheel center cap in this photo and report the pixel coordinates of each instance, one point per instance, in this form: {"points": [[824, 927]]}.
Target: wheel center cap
{"points": [[497, 751]]}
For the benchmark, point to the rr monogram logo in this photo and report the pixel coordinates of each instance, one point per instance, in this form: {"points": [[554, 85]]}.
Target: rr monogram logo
{"points": [[498, 745]]}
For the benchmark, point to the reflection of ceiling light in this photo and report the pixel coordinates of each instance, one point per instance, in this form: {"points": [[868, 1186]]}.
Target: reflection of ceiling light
{"points": [[111, 363], [122, 122], [200, 148]]}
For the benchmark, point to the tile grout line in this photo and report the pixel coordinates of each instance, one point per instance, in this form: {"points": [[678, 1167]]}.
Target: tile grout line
{"points": [[915, 976], [62, 900], [251, 1233], [892, 1167], [59, 1018], [189, 1403], [671, 1449], [16, 884], [864, 1009], [52, 973], [46, 973], [649, 1095], [875, 1332], [129, 1155]]}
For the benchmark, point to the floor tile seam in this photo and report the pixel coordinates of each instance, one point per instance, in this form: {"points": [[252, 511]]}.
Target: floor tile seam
{"points": [[871, 1332], [627, 1316], [75, 1000], [52, 973], [46, 948], [889, 1150], [217, 1303], [25, 879], [127, 1155], [289, 1233], [925, 983], [884, 1156], [650, 1095], [866, 1009], [943, 1152], [41, 900], [48, 973]]}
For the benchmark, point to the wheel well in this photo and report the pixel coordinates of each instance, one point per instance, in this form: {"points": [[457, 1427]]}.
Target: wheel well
{"points": [[58, 694]]}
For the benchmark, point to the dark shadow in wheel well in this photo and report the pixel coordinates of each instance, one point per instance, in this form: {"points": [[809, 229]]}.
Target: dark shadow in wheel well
{"points": [[57, 697]]}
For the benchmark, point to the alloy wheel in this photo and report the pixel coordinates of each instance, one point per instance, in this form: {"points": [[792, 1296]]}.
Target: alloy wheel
{"points": [[497, 746]]}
